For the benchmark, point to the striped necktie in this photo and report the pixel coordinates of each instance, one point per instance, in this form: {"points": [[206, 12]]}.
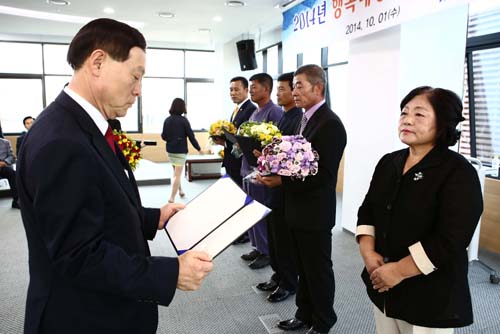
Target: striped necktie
{"points": [[303, 123]]}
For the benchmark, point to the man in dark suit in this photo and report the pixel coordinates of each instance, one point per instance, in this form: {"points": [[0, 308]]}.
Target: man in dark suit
{"points": [[238, 90], [310, 205], [91, 270], [27, 122], [283, 282]]}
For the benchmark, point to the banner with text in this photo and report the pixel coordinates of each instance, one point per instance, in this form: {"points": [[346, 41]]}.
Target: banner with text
{"points": [[318, 23]]}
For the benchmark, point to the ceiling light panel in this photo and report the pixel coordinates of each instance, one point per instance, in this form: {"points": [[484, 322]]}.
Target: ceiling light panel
{"points": [[58, 2], [166, 15], [234, 3]]}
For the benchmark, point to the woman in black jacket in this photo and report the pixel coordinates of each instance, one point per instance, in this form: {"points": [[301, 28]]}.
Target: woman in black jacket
{"points": [[418, 218], [176, 129]]}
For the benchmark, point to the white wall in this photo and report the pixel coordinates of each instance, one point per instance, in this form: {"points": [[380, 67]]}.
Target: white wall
{"points": [[383, 68], [372, 113], [433, 50]]}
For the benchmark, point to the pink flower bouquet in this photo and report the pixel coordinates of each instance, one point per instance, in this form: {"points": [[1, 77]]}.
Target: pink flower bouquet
{"points": [[289, 156]]}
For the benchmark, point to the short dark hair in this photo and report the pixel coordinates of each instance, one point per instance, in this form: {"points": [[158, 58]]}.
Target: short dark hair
{"points": [[447, 108], [116, 38], [314, 74], [243, 81], [287, 77], [178, 107], [27, 118], [264, 79]]}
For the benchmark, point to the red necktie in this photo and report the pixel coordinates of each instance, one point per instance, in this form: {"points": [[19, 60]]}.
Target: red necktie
{"points": [[110, 139]]}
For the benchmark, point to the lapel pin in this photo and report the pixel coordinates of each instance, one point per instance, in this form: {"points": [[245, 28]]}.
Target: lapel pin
{"points": [[418, 176]]}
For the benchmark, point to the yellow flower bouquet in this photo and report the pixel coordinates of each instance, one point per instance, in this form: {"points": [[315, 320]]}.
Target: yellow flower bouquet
{"points": [[253, 136], [262, 132], [131, 151], [217, 129]]}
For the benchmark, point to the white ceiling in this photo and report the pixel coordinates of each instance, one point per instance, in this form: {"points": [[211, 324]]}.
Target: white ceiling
{"points": [[257, 16]]}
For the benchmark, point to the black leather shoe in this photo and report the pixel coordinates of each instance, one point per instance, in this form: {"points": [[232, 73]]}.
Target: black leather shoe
{"points": [[260, 262], [279, 295], [291, 324], [312, 331], [15, 204], [270, 285], [251, 256]]}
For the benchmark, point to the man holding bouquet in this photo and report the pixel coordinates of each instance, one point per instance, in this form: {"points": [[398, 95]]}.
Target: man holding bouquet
{"points": [[283, 282], [310, 204], [261, 86], [238, 90]]}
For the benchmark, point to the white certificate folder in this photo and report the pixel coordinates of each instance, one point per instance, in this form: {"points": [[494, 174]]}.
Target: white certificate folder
{"points": [[214, 219]]}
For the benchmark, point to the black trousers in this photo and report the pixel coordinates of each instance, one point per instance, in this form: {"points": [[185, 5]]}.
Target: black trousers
{"points": [[280, 250], [316, 290], [235, 175], [9, 173]]}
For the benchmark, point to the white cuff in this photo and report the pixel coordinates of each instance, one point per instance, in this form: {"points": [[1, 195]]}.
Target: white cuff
{"points": [[421, 259], [365, 230]]}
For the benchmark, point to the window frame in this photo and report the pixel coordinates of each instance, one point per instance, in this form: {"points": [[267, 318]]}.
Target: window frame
{"points": [[473, 44], [139, 111]]}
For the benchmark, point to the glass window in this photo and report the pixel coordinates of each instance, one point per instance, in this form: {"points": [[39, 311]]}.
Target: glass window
{"points": [[483, 18], [272, 61], [486, 95], [54, 84], [164, 63], [54, 57], [20, 98], [130, 123], [200, 104], [311, 56], [157, 97], [260, 62], [200, 64], [20, 58], [480, 136], [338, 52], [338, 77]]}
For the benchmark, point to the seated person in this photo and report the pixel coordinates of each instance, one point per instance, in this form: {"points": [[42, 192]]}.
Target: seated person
{"points": [[7, 159]]}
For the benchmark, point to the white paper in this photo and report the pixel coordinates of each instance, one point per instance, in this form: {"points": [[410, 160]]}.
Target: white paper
{"points": [[219, 239], [205, 213]]}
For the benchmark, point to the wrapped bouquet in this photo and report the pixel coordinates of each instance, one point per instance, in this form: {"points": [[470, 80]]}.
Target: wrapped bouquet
{"points": [[262, 132], [131, 151], [289, 156], [217, 129], [253, 136]]}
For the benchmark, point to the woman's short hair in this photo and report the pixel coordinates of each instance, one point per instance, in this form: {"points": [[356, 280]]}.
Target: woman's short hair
{"points": [[448, 109], [178, 107]]}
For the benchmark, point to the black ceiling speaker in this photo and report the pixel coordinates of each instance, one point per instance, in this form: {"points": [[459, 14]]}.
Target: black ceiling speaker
{"points": [[246, 54]]}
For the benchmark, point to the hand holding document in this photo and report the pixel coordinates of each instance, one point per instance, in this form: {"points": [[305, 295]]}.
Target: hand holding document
{"points": [[210, 224], [194, 266]]}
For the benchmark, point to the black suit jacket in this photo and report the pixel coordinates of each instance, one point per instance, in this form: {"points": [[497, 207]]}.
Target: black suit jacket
{"points": [[90, 265], [310, 204], [19, 142], [231, 163], [438, 203]]}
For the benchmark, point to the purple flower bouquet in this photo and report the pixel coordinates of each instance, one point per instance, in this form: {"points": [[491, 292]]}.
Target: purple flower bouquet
{"points": [[289, 156]]}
